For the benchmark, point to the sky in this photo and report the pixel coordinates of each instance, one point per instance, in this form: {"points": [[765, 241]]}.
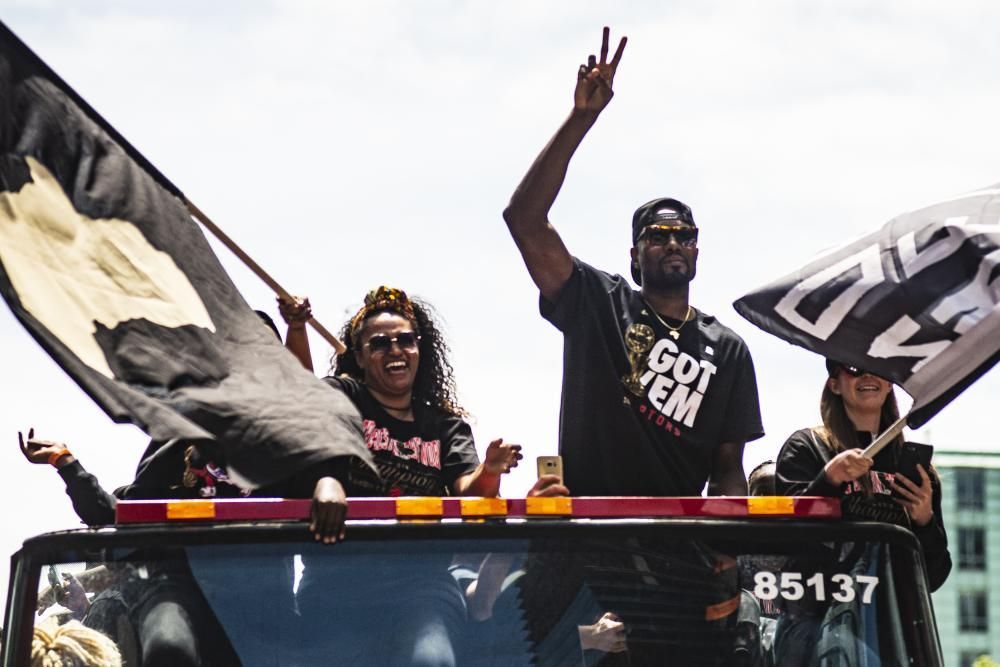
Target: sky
{"points": [[346, 145]]}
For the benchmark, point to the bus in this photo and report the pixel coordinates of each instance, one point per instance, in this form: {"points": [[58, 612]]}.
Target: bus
{"points": [[753, 582]]}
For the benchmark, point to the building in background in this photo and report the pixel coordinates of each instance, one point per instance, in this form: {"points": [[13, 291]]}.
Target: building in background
{"points": [[967, 607]]}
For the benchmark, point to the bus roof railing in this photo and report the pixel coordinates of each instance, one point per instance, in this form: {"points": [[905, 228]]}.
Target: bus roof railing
{"points": [[474, 508]]}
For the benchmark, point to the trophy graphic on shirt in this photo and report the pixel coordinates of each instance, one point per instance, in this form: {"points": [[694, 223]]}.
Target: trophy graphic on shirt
{"points": [[638, 339]]}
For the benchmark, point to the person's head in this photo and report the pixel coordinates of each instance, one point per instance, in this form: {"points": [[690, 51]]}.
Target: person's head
{"points": [[760, 482], [664, 244], [266, 319], [851, 394], [395, 348], [71, 645]]}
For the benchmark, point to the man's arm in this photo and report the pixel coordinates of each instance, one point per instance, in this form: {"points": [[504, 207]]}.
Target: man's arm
{"points": [[544, 253], [94, 505], [727, 477]]}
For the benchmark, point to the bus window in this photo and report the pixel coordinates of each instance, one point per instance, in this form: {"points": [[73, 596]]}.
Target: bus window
{"points": [[592, 594]]}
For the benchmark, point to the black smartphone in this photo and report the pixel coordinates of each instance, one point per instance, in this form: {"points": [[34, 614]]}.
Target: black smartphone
{"points": [[912, 454]]}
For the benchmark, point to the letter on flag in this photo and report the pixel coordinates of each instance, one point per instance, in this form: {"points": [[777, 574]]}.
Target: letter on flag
{"points": [[101, 262], [915, 302]]}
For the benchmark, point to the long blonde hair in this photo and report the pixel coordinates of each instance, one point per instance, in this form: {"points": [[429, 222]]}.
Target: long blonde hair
{"points": [[71, 645]]}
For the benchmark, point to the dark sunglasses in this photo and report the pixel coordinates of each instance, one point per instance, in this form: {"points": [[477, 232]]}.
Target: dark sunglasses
{"points": [[407, 342], [854, 371], [685, 236]]}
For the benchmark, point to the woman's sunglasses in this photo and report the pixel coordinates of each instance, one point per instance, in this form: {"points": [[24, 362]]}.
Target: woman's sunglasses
{"points": [[407, 342], [687, 237], [854, 371]]}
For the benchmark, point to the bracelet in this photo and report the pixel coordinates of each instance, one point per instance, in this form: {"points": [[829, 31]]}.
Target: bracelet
{"points": [[55, 456]]}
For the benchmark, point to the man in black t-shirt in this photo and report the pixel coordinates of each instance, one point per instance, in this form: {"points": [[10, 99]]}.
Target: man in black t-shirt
{"points": [[658, 397]]}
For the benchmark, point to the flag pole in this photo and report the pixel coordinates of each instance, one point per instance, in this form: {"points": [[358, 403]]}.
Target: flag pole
{"points": [[885, 438], [261, 273]]}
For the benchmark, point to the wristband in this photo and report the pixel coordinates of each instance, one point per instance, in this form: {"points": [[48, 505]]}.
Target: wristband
{"points": [[55, 456]]}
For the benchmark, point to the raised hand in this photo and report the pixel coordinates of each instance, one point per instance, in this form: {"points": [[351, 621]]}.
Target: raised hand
{"points": [[295, 312], [39, 451], [500, 457], [595, 79], [72, 596]]}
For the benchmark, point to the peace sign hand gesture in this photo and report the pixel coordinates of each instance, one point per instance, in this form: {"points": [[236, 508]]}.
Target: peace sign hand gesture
{"points": [[594, 80]]}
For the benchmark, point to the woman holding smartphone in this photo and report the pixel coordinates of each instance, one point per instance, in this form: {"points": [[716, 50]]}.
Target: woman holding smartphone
{"points": [[827, 460]]}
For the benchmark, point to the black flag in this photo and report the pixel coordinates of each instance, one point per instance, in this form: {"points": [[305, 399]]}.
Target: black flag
{"points": [[915, 302], [101, 262]]}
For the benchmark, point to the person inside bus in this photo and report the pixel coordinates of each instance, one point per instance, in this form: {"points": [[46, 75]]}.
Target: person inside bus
{"points": [[828, 460], [71, 644]]}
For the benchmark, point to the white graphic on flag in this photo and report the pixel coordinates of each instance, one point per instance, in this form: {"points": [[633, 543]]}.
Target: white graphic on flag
{"points": [[71, 271]]}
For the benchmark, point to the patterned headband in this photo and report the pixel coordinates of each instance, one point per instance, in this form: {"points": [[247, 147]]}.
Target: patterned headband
{"points": [[381, 299]]}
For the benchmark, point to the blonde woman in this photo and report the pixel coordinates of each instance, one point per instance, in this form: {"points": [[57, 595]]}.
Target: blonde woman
{"points": [[71, 645]]}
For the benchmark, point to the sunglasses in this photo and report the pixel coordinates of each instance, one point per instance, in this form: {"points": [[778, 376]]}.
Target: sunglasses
{"points": [[685, 236], [854, 371], [407, 342]]}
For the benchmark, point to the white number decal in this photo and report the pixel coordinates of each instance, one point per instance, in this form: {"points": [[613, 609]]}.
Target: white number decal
{"points": [[816, 583], [791, 588], [846, 592], [870, 583], [765, 586]]}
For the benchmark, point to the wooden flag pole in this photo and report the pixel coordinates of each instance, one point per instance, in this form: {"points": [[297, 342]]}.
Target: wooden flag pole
{"points": [[885, 438], [261, 273]]}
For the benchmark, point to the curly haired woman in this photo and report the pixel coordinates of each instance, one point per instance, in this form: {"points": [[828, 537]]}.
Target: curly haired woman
{"points": [[396, 371]]}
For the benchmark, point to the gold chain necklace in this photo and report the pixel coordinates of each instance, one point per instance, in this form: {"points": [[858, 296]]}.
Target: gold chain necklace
{"points": [[673, 332]]}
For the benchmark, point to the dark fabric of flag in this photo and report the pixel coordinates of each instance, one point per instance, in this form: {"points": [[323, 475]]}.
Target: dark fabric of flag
{"points": [[915, 302], [101, 262]]}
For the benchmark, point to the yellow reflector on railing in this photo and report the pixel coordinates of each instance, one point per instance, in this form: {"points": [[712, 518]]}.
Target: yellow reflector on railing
{"points": [[771, 505], [191, 509], [419, 507], [542, 505], [484, 507]]}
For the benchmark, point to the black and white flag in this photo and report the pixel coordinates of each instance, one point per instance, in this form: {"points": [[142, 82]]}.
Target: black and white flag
{"points": [[101, 262], [915, 302]]}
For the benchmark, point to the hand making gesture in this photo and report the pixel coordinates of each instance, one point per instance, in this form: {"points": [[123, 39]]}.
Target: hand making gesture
{"points": [[40, 451], [594, 80], [501, 457]]}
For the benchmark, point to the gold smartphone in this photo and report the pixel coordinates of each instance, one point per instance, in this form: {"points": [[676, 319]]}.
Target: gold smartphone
{"points": [[550, 465]]}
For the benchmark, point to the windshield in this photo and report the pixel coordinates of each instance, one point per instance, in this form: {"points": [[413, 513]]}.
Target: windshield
{"points": [[591, 596]]}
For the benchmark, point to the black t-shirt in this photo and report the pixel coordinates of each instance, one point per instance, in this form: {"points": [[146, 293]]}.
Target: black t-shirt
{"points": [[419, 458], [799, 472], [697, 391]]}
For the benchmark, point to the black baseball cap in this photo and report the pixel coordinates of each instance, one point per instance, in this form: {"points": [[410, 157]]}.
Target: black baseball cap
{"points": [[661, 211]]}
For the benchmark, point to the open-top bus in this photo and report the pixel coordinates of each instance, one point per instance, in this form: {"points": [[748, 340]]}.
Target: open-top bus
{"points": [[473, 581]]}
